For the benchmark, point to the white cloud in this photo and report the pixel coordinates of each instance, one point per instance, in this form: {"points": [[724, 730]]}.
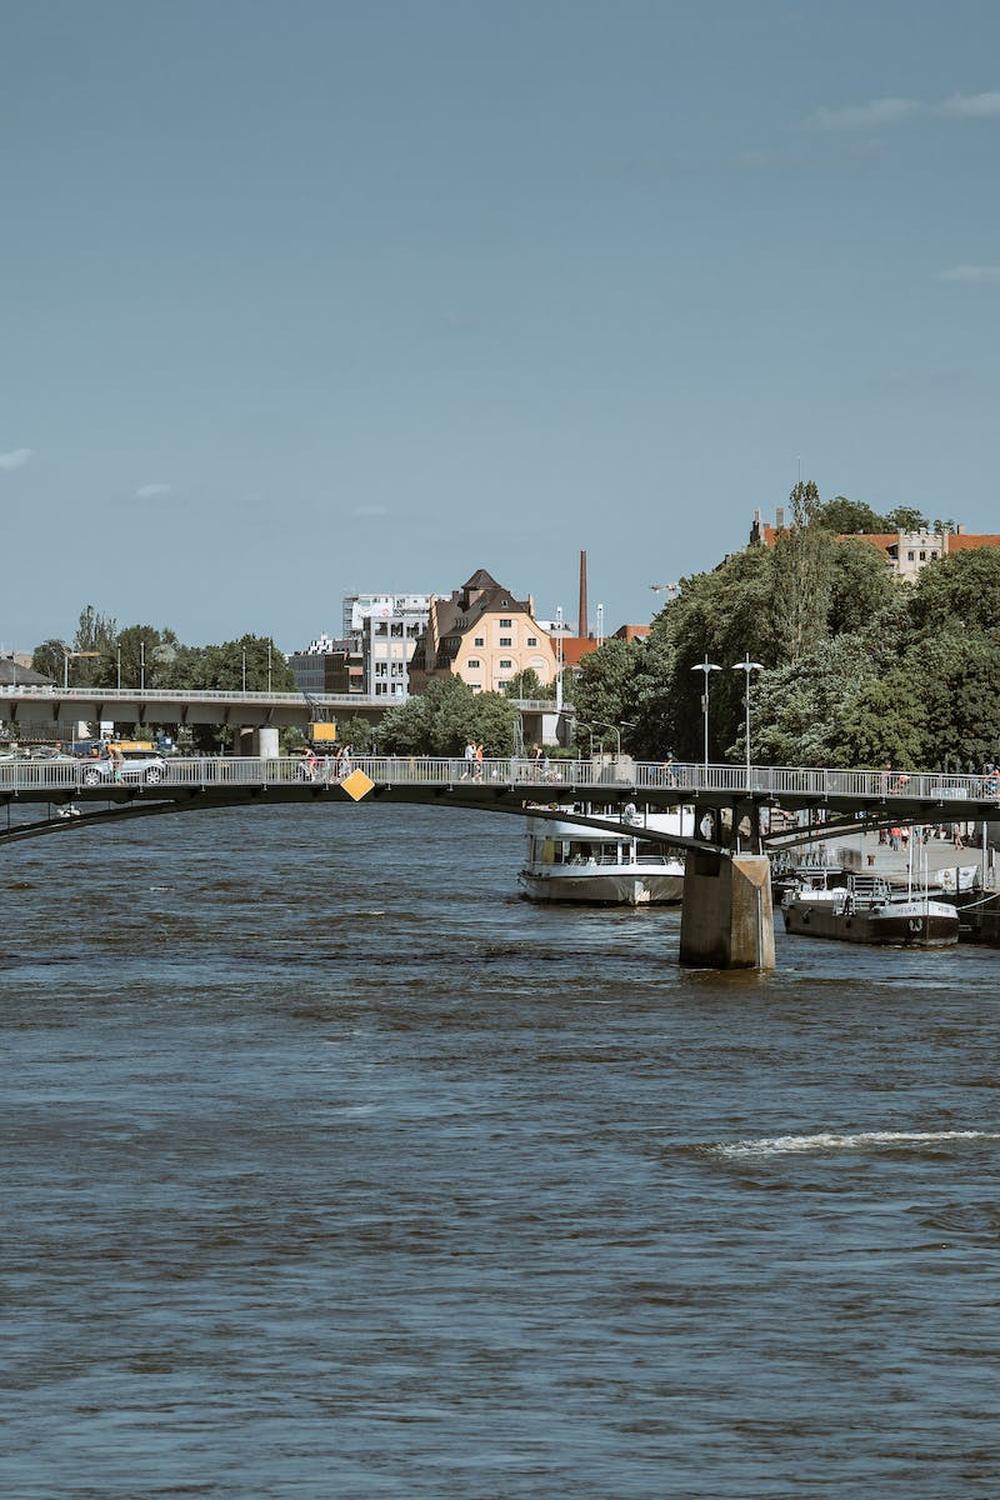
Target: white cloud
{"points": [[870, 116], [362, 512], [15, 459], [151, 491], [990, 274], [971, 106]]}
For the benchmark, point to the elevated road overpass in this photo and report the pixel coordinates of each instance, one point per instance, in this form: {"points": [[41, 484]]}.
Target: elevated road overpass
{"points": [[45, 707]]}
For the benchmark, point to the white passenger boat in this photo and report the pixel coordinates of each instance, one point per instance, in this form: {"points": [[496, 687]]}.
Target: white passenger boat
{"points": [[614, 865]]}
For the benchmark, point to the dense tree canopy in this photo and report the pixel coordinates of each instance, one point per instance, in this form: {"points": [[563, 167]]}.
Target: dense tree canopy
{"points": [[441, 720], [527, 684], [859, 668], [104, 655], [843, 517]]}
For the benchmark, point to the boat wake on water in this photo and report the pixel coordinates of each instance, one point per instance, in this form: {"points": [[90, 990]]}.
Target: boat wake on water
{"points": [[781, 1145]]}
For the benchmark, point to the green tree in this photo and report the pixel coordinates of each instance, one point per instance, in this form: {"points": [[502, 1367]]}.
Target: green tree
{"points": [[718, 615], [959, 683], [443, 719], [144, 653], [802, 578], [95, 633], [527, 684], [880, 723], [836, 706], [356, 732], [606, 683], [845, 517], [963, 589], [861, 585], [49, 658], [906, 518], [652, 698], [220, 667]]}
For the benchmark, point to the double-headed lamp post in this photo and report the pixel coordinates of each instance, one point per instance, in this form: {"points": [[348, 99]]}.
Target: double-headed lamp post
{"points": [[747, 666], [615, 730], [707, 667]]}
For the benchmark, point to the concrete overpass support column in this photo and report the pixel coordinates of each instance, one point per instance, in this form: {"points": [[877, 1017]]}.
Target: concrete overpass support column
{"points": [[727, 920], [266, 742]]}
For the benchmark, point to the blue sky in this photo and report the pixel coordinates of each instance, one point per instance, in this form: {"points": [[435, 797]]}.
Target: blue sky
{"points": [[305, 297]]}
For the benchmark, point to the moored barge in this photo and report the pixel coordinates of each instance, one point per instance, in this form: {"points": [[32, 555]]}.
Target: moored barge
{"points": [[868, 911]]}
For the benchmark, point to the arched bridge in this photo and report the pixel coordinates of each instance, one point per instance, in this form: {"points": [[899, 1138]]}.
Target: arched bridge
{"points": [[744, 813], [768, 807]]}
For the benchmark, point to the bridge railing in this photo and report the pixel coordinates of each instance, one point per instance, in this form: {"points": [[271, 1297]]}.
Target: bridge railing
{"points": [[524, 773], [160, 695]]}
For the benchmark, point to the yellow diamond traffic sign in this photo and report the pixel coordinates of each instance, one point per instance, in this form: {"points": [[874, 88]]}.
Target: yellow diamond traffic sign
{"points": [[357, 785]]}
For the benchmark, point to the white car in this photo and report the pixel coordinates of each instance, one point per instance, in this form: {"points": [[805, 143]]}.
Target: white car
{"points": [[135, 765]]}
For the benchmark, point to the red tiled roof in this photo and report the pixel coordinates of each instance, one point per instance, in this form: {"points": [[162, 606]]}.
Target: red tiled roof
{"points": [[575, 648], [958, 541], [962, 541]]}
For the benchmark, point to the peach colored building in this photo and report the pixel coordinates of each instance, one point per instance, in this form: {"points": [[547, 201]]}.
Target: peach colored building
{"points": [[483, 635]]}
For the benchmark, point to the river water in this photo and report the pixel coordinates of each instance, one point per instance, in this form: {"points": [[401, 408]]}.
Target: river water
{"points": [[331, 1169]]}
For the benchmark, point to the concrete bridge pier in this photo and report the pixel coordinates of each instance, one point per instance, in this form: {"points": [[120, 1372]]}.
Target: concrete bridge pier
{"points": [[727, 920], [262, 741]]}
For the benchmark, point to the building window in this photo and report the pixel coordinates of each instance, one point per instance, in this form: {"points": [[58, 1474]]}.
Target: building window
{"points": [[479, 641], [923, 557], [910, 556], [506, 624], [506, 662], [933, 557], [532, 640], [506, 640], [473, 662]]}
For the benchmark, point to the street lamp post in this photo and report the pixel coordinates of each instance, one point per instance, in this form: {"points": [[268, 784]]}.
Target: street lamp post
{"points": [[747, 666], [559, 660], [244, 669], [707, 667], [67, 654], [603, 724], [269, 666]]}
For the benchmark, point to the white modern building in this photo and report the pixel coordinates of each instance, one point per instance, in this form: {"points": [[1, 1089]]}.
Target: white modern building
{"points": [[386, 628]]}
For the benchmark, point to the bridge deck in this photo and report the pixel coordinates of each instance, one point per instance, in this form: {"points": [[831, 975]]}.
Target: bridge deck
{"points": [[912, 796]]}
